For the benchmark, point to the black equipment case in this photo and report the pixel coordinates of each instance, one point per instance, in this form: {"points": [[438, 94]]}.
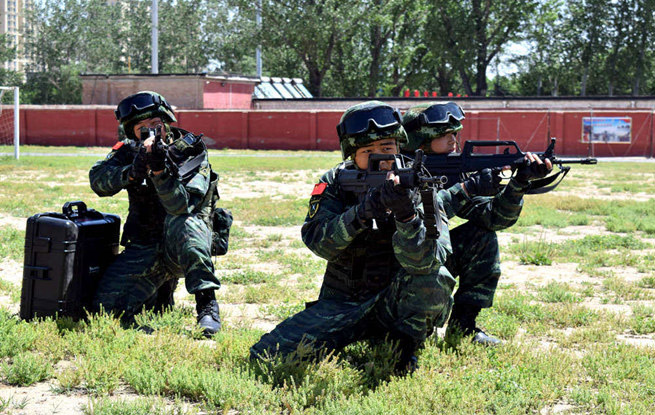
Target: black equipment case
{"points": [[65, 256]]}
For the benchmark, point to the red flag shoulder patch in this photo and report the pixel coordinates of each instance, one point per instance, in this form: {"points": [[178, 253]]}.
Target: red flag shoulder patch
{"points": [[118, 145], [319, 188]]}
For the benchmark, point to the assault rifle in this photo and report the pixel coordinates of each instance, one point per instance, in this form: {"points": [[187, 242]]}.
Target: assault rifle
{"points": [[176, 163], [454, 165], [414, 177], [158, 145]]}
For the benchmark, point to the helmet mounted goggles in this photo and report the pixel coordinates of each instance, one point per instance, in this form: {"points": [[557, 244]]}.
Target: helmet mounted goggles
{"points": [[381, 118], [436, 114], [139, 102]]}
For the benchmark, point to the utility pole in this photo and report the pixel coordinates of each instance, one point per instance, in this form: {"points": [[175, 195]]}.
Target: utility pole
{"points": [[155, 37], [258, 51]]}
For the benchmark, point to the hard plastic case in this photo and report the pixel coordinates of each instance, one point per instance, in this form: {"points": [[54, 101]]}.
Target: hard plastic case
{"points": [[65, 256]]}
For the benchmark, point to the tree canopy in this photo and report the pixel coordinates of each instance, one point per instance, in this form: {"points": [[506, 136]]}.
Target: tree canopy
{"points": [[356, 48]]}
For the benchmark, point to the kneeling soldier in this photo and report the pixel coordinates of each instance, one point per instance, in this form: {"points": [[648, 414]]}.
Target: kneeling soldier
{"points": [[167, 234], [433, 127], [384, 279]]}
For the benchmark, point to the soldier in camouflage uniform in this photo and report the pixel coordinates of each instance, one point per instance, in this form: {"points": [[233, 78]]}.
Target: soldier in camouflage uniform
{"points": [[433, 127], [167, 234], [384, 279]]}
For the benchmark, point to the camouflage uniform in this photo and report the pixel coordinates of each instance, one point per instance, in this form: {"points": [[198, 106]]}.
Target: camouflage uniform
{"points": [[476, 254], [167, 233], [389, 282]]}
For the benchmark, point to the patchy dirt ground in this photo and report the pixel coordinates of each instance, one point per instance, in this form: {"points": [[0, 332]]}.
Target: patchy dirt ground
{"points": [[43, 399]]}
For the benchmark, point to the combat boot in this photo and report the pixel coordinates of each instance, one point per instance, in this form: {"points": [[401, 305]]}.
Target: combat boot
{"points": [[208, 314], [462, 324], [407, 360], [164, 296]]}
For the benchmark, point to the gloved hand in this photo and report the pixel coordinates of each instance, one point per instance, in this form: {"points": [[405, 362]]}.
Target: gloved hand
{"points": [[532, 168], [371, 207], [397, 199], [486, 182], [157, 156], [139, 169]]}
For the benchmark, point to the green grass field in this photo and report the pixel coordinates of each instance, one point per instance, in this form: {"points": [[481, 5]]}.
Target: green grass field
{"points": [[575, 308]]}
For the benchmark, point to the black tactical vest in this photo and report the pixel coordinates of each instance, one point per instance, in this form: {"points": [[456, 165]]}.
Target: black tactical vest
{"points": [[145, 219], [368, 264]]}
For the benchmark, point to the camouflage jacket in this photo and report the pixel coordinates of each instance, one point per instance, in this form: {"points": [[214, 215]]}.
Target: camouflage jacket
{"points": [[493, 213], [156, 196], [359, 256]]}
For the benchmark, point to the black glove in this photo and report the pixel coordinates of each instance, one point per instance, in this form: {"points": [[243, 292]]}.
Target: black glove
{"points": [[397, 199], [486, 182], [139, 169], [370, 207], [529, 171], [157, 156]]}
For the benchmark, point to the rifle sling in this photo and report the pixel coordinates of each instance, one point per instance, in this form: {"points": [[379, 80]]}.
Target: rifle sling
{"points": [[191, 165], [541, 186], [432, 216]]}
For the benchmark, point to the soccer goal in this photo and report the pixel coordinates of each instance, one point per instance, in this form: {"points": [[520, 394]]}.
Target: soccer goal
{"points": [[9, 118]]}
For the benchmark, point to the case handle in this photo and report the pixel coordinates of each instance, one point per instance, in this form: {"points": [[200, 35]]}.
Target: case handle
{"points": [[67, 209]]}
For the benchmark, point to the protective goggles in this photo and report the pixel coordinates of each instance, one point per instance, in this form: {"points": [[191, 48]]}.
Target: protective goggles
{"points": [[359, 122], [436, 114], [139, 102]]}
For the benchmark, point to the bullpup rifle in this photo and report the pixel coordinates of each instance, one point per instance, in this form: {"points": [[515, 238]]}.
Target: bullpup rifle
{"points": [[413, 177]]}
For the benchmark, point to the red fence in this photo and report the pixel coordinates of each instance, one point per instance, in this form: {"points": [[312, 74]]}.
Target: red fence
{"points": [[315, 130]]}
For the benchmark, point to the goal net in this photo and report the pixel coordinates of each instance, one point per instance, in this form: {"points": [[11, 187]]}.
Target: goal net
{"points": [[9, 119]]}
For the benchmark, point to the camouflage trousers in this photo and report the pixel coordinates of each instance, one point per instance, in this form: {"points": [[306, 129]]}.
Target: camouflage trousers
{"points": [[145, 276], [476, 261], [407, 309]]}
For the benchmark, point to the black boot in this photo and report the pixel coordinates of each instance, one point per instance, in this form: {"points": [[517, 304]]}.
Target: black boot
{"points": [[164, 297], [462, 324], [407, 359], [208, 314]]}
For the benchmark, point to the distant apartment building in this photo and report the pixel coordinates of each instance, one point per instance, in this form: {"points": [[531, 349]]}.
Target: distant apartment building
{"points": [[12, 23]]}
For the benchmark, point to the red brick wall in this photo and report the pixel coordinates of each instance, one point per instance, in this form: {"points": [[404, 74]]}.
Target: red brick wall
{"points": [[315, 130]]}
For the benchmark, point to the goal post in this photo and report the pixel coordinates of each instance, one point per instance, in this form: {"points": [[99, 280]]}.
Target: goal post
{"points": [[10, 120]]}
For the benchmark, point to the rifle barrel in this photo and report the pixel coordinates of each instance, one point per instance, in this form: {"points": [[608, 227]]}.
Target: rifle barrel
{"points": [[588, 160]]}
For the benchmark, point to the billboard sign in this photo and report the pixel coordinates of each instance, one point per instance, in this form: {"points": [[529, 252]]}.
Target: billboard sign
{"points": [[613, 130]]}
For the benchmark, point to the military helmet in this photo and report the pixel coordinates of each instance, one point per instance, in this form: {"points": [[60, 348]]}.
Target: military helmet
{"points": [[431, 120], [367, 122], [141, 106]]}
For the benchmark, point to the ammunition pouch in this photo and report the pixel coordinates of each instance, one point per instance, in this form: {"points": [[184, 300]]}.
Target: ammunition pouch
{"points": [[221, 222]]}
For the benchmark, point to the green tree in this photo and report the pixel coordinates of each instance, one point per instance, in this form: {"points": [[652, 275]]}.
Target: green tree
{"points": [[640, 45], [542, 69], [348, 76], [620, 20], [61, 85], [68, 37], [586, 37], [100, 26], [7, 76], [309, 28], [390, 24], [229, 36], [51, 43], [409, 56], [474, 32]]}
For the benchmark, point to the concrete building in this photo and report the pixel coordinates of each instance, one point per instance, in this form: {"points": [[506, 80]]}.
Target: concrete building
{"points": [[12, 23], [189, 91]]}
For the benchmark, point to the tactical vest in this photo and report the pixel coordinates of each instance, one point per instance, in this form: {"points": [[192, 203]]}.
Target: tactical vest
{"points": [[145, 218], [368, 264], [146, 214]]}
